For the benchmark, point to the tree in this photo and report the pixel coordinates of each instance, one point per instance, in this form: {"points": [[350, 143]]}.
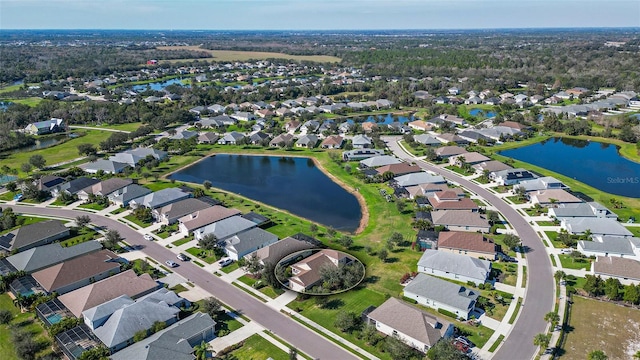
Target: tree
{"points": [[26, 167], [252, 264], [143, 214], [383, 254], [552, 317], [208, 242], [202, 350], [593, 286], [207, 184], [597, 355], [388, 175], [12, 186], [397, 238], [313, 228], [293, 353], [445, 350], [346, 321], [331, 231], [612, 289], [198, 193], [82, 220], [268, 275], [111, 239], [542, 340], [140, 335], [87, 149], [37, 161], [511, 241], [346, 241], [401, 206], [492, 217], [5, 316], [559, 275], [398, 350], [212, 306], [631, 294]]}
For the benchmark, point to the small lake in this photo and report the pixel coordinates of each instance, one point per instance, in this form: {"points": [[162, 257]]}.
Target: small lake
{"points": [[481, 113], [388, 119], [593, 163], [157, 86], [294, 184]]}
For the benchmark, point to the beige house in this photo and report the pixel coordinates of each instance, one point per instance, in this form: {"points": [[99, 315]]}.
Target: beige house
{"points": [[467, 243]]}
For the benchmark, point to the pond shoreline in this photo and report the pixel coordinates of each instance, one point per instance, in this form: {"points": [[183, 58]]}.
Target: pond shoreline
{"points": [[364, 210]]}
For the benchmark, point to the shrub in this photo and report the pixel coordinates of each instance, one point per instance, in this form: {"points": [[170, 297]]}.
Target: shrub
{"points": [[447, 313], [5, 316]]}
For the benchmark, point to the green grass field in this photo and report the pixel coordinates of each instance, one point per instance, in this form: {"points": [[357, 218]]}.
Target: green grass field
{"points": [[258, 348], [56, 154], [124, 127], [615, 332], [26, 322], [577, 264], [30, 101]]}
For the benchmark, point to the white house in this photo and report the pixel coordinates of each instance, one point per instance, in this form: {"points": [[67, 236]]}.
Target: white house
{"points": [[441, 294], [454, 266]]}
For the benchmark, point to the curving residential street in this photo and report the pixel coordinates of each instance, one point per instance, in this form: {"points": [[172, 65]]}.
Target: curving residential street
{"points": [[539, 295], [282, 326]]}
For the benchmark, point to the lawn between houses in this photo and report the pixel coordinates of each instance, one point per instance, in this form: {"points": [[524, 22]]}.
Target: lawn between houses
{"points": [[26, 322]]}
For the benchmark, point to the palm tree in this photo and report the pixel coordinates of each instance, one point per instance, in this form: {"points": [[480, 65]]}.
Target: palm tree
{"points": [[202, 351]]}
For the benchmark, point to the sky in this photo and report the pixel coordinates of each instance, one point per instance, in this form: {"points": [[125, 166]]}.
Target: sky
{"points": [[316, 14]]}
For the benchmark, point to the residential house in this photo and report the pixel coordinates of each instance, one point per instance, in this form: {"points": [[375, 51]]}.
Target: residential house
{"points": [[74, 186], [281, 140], [208, 138], [170, 213], [377, 161], [263, 113], [125, 283], [176, 342], [368, 127], [292, 126], [468, 243], [454, 266], [581, 210], [310, 126], [542, 183], [361, 154], [345, 127], [607, 245], [120, 327], [199, 219], [29, 236], [515, 125], [104, 188], [448, 138], [306, 272], [473, 136], [278, 250], [625, 270], [490, 166], [133, 156], [232, 138], [399, 169], [44, 256], [454, 91], [361, 142], [418, 178], [123, 197], [551, 197], [427, 140], [422, 95], [511, 176], [332, 142], [243, 116], [461, 220], [45, 127], [441, 294], [246, 242], [106, 166], [307, 141], [595, 226], [499, 133], [283, 112], [224, 228], [422, 190], [384, 103], [450, 200], [183, 135], [78, 272], [159, 198], [49, 183], [470, 158], [412, 326], [446, 152], [420, 125]]}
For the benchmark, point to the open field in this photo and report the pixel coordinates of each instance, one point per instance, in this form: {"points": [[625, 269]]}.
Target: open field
{"points": [[124, 127], [595, 325], [58, 153], [236, 55], [31, 101]]}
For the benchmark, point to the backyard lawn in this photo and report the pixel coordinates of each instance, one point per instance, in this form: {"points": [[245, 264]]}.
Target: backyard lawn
{"points": [[26, 322], [615, 332]]}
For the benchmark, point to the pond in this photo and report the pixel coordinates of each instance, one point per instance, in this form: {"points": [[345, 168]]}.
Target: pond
{"points": [[480, 112], [593, 163], [42, 143], [158, 85], [294, 184], [388, 119]]}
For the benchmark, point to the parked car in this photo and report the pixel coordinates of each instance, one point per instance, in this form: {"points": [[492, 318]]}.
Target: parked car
{"points": [[182, 257], [171, 263], [148, 237], [18, 197], [465, 341], [225, 262]]}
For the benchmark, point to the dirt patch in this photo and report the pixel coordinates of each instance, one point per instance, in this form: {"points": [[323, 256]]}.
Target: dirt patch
{"points": [[598, 325]]}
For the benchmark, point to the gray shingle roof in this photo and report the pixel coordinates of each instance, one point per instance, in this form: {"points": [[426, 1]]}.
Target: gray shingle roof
{"points": [[78, 184], [455, 264], [161, 198], [130, 192], [609, 244], [108, 166], [106, 308], [598, 226], [182, 208], [228, 227], [126, 321], [47, 255], [250, 240], [170, 343], [34, 233], [410, 321], [442, 291], [418, 178], [380, 161]]}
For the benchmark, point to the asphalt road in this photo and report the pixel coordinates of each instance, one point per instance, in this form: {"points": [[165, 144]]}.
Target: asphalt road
{"points": [[282, 326], [538, 299]]}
